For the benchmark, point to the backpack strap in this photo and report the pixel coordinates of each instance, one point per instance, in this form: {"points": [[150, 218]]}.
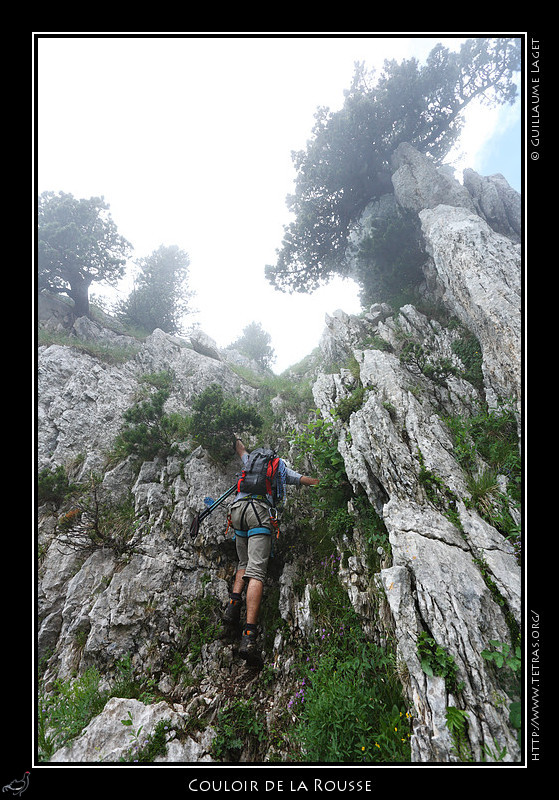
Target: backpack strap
{"points": [[271, 472]]}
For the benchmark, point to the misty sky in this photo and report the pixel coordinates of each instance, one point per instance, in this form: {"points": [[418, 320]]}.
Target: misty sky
{"points": [[189, 140]]}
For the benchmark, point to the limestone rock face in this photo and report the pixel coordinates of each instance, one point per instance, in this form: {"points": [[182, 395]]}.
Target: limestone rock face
{"points": [[82, 398], [110, 738], [479, 272], [418, 184], [496, 202], [442, 571], [435, 582]]}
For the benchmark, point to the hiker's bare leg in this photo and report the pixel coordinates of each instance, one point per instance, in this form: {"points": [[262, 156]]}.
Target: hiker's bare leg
{"points": [[254, 598], [239, 583]]}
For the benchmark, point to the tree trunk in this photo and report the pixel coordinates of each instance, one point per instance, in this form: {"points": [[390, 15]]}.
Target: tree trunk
{"points": [[79, 292]]}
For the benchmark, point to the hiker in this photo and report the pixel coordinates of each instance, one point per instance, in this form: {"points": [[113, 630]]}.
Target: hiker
{"points": [[252, 516]]}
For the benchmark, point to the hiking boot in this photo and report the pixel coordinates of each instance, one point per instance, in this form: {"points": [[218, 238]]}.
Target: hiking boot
{"points": [[232, 614], [231, 620], [249, 649]]}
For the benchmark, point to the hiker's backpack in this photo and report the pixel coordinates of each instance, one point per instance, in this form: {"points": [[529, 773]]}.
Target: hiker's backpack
{"points": [[259, 476]]}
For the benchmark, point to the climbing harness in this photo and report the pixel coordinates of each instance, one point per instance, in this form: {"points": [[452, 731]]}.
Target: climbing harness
{"points": [[260, 528]]}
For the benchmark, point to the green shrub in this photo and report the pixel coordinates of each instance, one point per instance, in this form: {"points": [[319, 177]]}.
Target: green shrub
{"points": [[144, 748], [53, 485], [65, 711], [436, 661], [148, 430], [348, 405], [491, 433], [486, 446], [456, 722], [468, 350], [420, 360], [201, 625], [215, 421], [97, 522], [508, 660], [318, 444], [70, 705], [239, 727]]}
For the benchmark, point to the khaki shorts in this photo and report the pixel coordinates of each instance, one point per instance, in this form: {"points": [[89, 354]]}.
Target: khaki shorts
{"points": [[253, 551]]}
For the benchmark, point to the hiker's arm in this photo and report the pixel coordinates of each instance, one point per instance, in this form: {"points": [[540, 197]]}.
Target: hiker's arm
{"points": [[240, 448], [296, 479]]}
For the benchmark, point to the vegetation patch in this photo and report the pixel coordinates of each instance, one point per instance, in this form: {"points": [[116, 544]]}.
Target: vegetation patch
{"points": [[216, 419], [508, 661], [95, 521], [65, 711], [420, 360], [468, 350], [486, 447], [348, 705], [144, 748], [436, 661], [53, 486], [148, 430], [199, 625], [240, 728], [348, 405]]}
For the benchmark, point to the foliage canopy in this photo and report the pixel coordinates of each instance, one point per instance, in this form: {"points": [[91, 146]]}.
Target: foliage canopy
{"points": [[216, 420], [77, 245], [160, 297], [255, 343], [347, 162]]}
